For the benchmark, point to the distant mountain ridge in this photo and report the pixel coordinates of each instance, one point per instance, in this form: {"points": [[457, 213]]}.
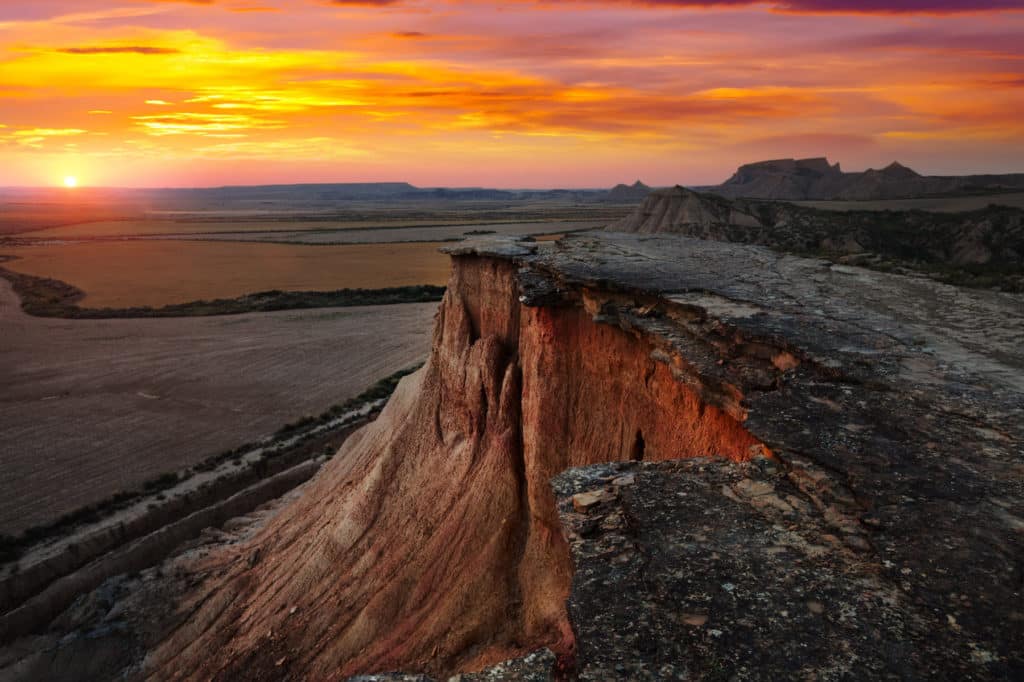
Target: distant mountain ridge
{"points": [[817, 179], [24, 206]]}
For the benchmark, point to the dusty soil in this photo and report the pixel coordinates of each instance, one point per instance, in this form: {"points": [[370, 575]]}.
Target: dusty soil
{"points": [[90, 408], [156, 273]]}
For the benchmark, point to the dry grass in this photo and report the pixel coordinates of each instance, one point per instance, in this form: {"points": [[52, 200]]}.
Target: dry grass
{"points": [[157, 273], [91, 408]]}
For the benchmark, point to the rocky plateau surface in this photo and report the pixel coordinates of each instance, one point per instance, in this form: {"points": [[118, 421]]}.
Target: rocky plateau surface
{"points": [[629, 457]]}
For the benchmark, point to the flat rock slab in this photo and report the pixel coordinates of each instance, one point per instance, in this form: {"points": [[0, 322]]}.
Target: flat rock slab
{"points": [[883, 536], [710, 585]]}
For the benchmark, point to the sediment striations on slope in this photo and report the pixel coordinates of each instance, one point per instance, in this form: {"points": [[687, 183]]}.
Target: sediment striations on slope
{"points": [[763, 467], [432, 541]]}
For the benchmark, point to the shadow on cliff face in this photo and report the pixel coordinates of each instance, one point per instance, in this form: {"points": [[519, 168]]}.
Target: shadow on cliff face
{"points": [[431, 542]]}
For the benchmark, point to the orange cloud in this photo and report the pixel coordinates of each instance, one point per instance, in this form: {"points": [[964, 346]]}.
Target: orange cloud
{"points": [[129, 49], [210, 125], [585, 90]]}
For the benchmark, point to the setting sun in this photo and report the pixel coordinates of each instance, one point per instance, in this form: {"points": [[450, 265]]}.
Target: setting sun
{"points": [[70, 181]]}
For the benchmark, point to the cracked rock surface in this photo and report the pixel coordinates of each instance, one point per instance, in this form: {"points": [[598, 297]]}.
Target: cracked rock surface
{"points": [[885, 537]]}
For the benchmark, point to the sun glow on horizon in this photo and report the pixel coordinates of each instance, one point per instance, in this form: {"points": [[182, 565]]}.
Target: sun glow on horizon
{"points": [[70, 181], [197, 93]]}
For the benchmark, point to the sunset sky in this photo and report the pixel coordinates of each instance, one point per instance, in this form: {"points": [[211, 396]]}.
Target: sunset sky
{"points": [[521, 94]]}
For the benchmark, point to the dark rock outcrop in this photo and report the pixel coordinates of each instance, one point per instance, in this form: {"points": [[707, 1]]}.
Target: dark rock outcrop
{"points": [[783, 179]]}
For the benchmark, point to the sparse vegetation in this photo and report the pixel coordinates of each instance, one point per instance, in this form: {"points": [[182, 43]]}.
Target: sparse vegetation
{"points": [[965, 201], [941, 245], [1002, 277], [161, 482]]}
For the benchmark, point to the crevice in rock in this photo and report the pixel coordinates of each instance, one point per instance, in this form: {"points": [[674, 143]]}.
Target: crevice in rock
{"points": [[637, 454]]}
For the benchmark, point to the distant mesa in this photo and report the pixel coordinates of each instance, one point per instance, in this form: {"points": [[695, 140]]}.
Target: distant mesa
{"points": [[817, 179]]}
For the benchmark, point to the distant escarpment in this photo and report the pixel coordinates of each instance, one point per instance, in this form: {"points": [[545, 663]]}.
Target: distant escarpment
{"points": [[808, 179], [983, 247]]}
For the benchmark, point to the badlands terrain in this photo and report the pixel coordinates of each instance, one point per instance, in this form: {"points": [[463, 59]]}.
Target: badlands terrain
{"points": [[780, 467], [272, 350], [106, 254], [781, 464]]}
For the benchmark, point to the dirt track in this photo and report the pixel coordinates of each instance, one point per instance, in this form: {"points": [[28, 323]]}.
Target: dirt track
{"points": [[89, 408]]}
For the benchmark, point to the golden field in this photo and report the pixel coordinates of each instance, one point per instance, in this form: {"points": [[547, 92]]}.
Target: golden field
{"points": [[156, 272]]}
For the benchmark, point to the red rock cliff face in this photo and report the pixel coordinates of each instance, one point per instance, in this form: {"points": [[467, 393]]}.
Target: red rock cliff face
{"points": [[431, 541]]}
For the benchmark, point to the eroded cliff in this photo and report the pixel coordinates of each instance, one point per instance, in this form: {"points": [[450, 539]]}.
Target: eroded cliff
{"points": [[657, 457], [432, 542]]}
